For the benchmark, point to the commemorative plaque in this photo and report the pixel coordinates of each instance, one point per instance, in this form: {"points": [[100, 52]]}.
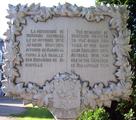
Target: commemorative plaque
{"points": [[67, 57]]}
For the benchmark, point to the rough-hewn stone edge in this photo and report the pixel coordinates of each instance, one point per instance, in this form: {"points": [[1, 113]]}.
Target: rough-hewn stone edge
{"points": [[92, 95]]}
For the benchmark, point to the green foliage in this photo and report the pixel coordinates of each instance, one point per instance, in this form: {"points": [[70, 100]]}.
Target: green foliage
{"points": [[97, 114], [118, 2], [100, 114], [129, 115]]}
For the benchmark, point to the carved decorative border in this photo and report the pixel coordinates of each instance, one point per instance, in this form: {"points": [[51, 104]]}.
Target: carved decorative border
{"points": [[93, 96]]}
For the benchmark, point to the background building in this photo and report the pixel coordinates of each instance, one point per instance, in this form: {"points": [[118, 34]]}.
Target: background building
{"points": [[1, 63]]}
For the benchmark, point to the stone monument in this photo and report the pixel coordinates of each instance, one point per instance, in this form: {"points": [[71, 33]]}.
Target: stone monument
{"points": [[67, 57]]}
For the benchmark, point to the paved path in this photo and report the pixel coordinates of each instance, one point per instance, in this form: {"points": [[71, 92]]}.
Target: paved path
{"points": [[7, 118], [9, 106]]}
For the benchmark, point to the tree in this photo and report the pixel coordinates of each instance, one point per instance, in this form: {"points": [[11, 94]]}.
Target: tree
{"points": [[117, 2]]}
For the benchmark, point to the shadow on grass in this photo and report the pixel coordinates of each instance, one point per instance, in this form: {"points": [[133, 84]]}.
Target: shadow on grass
{"points": [[35, 112]]}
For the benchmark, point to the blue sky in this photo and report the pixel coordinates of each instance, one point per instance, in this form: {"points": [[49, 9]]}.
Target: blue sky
{"points": [[49, 3]]}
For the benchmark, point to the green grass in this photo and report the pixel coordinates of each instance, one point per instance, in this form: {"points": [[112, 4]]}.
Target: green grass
{"points": [[35, 113]]}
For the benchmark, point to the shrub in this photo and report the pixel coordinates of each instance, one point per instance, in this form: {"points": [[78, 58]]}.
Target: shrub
{"points": [[97, 114]]}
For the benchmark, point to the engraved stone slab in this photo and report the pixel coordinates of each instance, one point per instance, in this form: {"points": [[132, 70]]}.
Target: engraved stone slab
{"points": [[67, 45], [67, 57]]}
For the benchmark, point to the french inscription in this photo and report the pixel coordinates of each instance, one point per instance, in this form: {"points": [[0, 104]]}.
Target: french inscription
{"points": [[44, 46]]}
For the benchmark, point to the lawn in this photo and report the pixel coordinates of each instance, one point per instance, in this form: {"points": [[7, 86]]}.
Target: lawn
{"points": [[35, 113]]}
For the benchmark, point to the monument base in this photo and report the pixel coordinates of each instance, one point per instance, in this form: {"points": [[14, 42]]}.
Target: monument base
{"points": [[65, 114]]}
